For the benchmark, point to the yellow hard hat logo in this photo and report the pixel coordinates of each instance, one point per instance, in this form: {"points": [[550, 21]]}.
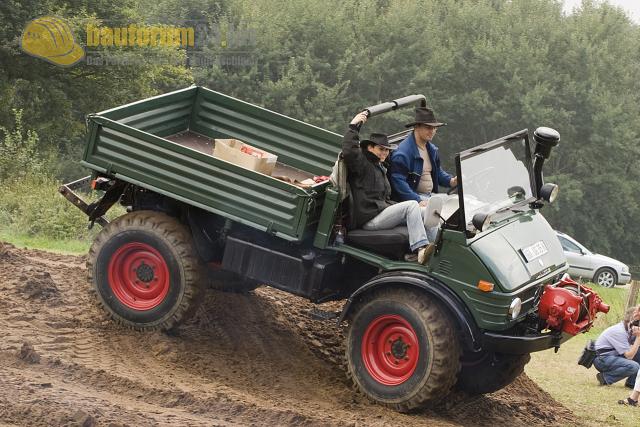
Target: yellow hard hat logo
{"points": [[50, 38]]}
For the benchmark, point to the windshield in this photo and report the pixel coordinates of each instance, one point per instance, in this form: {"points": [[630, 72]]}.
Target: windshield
{"points": [[496, 178]]}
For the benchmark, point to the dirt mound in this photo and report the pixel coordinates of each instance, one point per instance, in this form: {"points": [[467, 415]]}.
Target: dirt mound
{"points": [[39, 285], [28, 353], [258, 359]]}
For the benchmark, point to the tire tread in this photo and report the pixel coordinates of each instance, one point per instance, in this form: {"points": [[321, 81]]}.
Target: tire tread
{"points": [[178, 238], [445, 364]]}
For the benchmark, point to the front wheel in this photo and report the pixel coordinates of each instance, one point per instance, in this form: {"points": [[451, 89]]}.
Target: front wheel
{"points": [[606, 277], [487, 372], [401, 349], [145, 271]]}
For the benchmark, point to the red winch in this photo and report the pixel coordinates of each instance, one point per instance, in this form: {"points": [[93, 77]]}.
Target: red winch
{"points": [[569, 306]]}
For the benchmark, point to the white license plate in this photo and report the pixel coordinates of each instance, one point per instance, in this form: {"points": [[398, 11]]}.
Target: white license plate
{"points": [[534, 251]]}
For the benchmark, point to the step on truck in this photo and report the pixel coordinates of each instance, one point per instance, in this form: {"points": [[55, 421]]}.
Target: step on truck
{"points": [[494, 291]]}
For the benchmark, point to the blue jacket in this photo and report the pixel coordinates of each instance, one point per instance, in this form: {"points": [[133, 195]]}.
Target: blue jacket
{"points": [[406, 168]]}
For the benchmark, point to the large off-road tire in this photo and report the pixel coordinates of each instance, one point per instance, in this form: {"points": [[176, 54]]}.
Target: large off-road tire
{"points": [[401, 349], [606, 277], [228, 281], [488, 372], [145, 271]]}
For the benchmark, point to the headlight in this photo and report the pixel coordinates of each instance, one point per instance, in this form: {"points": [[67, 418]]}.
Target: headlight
{"points": [[515, 307], [549, 192], [625, 268]]}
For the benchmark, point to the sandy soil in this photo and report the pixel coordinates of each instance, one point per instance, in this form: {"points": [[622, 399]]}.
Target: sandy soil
{"points": [[256, 359]]}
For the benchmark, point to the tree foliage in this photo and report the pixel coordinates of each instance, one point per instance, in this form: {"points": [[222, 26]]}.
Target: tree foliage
{"points": [[487, 67]]}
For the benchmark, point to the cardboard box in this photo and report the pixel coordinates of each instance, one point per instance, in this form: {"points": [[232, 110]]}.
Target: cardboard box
{"points": [[244, 155]]}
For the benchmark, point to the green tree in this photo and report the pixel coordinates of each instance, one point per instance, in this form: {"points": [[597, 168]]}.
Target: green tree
{"points": [[56, 99]]}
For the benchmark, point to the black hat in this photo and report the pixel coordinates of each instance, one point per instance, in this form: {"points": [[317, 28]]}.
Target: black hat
{"points": [[378, 139], [425, 116]]}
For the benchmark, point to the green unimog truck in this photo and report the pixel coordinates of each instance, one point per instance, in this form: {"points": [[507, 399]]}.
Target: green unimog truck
{"points": [[495, 290]]}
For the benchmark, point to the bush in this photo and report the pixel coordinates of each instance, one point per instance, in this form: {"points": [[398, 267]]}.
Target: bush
{"points": [[19, 152], [33, 206], [29, 200]]}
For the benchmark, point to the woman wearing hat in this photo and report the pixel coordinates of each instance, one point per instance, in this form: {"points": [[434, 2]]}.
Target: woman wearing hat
{"points": [[371, 192]]}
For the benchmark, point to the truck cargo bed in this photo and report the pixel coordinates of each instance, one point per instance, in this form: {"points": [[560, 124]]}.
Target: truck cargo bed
{"points": [[206, 145], [165, 143]]}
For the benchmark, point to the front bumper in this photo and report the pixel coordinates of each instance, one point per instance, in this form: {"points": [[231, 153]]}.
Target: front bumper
{"points": [[512, 344], [624, 278]]}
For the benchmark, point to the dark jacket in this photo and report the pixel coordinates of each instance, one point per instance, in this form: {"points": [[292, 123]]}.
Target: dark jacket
{"points": [[367, 178], [406, 168]]}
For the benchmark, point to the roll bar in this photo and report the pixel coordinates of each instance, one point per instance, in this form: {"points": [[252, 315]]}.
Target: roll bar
{"points": [[385, 107]]}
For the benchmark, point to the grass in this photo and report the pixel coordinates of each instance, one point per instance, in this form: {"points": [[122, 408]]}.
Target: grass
{"points": [[22, 240], [575, 386]]}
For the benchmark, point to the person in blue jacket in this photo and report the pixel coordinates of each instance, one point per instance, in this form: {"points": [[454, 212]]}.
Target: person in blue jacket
{"points": [[415, 171]]}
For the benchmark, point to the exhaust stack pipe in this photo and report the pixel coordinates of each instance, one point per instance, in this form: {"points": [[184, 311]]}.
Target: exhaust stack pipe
{"points": [[385, 107], [545, 139]]}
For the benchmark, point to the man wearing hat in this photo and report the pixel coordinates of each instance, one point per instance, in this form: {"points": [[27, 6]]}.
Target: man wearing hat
{"points": [[415, 171], [371, 192]]}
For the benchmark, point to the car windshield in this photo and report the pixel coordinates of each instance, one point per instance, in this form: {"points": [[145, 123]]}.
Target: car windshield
{"points": [[496, 178]]}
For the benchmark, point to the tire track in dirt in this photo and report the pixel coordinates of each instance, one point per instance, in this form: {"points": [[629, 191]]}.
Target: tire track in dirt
{"points": [[71, 383], [256, 359]]}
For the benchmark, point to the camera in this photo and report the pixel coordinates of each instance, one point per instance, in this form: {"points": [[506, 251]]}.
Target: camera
{"points": [[635, 323], [588, 354]]}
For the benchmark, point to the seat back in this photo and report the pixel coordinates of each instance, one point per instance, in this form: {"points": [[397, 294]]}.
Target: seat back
{"points": [[338, 177], [349, 217]]}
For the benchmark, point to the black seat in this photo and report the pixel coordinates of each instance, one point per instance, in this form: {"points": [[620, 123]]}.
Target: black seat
{"points": [[392, 243]]}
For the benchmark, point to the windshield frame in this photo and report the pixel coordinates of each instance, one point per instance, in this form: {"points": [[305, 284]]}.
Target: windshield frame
{"points": [[475, 151]]}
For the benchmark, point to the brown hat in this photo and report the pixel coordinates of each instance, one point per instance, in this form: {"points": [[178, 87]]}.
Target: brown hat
{"points": [[425, 116], [378, 139]]}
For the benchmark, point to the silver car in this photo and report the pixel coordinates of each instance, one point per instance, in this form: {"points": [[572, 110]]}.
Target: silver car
{"points": [[598, 268]]}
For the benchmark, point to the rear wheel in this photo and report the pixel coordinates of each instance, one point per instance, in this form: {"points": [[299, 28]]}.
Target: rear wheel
{"points": [[606, 277], [145, 271], [401, 349], [488, 372]]}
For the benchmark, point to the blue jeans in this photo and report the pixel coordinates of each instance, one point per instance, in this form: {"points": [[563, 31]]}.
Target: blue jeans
{"points": [[614, 368], [408, 213], [432, 232]]}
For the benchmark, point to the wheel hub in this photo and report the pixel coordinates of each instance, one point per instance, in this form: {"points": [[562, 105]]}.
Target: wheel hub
{"points": [[390, 350], [138, 276], [399, 348], [144, 272], [605, 279]]}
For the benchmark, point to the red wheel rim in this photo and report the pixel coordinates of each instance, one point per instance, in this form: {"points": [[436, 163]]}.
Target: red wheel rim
{"points": [[138, 276], [390, 350]]}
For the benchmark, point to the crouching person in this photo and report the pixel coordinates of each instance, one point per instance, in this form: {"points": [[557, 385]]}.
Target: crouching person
{"points": [[617, 355], [371, 192]]}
